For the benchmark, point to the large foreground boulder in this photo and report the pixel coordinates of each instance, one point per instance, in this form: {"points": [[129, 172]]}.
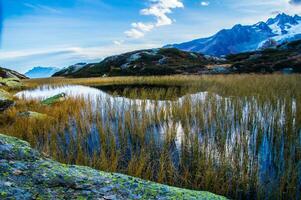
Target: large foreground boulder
{"points": [[6, 100], [26, 174]]}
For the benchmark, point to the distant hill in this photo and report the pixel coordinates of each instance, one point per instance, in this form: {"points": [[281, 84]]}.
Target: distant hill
{"points": [[41, 72], [7, 73], [281, 58], [275, 31], [143, 62]]}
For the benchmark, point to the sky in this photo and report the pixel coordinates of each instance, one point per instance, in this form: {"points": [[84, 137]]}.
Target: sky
{"points": [[64, 32]]}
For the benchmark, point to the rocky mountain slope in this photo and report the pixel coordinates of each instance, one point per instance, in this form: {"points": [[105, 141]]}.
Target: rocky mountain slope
{"points": [[285, 58], [7, 73], [70, 70], [41, 72], [26, 174], [282, 28], [143, 62]]}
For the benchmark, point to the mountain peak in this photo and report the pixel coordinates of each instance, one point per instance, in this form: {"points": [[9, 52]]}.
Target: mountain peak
{"points": [[297, 17], [282, 19]]}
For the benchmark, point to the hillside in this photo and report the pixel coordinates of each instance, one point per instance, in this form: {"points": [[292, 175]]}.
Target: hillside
{"points": [[7, 73], [285, 58], [244, 38], [26, 174], [143, 62]]}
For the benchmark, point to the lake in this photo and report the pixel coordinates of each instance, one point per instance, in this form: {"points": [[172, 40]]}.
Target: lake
{"points": [[183, 136]]}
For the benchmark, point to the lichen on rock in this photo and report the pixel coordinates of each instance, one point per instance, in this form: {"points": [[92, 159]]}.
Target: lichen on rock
{"points": [[55, 99], [11, 83]]}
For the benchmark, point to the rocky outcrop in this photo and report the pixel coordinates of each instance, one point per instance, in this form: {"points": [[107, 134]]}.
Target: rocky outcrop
{"points": [[6, 100], [55, 99], [11, 83], [26, 174]]}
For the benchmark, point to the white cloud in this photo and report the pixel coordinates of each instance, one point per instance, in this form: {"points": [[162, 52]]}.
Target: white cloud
{"points": [[143, 27], [205, 3], [118, 42], [42, 8], [158, 9], [134, 33]]}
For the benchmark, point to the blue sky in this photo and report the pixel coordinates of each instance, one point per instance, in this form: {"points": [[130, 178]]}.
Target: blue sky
{"points": [[63, 32]]}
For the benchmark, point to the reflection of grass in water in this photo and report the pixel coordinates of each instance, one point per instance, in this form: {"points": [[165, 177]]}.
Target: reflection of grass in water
{"points": [[222, 149], [147, 91]]}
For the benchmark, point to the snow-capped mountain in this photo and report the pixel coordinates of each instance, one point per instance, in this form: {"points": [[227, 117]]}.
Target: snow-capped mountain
{"points": [[41, 72], [282, 28]]}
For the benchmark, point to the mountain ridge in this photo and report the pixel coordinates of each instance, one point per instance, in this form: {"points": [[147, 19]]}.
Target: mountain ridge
{"points": [[41, 72], [244, 38], [166, 61]]}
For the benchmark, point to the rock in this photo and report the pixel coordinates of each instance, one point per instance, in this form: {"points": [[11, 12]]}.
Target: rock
{"points": [[33, 115], [11, 83], [55, 99], [26, 174], [6, 100]]}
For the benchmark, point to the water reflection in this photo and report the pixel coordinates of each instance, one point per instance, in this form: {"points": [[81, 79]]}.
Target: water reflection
{"points": [[250, 145]]}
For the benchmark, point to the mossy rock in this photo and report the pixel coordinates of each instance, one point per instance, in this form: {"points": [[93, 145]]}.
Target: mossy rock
{"points": [[11, 83], [6, 100], [26, 174], [55, 99], [33, 115]]}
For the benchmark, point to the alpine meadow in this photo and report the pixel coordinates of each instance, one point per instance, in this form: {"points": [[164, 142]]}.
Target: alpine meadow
{"points": [[152, 99]]}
